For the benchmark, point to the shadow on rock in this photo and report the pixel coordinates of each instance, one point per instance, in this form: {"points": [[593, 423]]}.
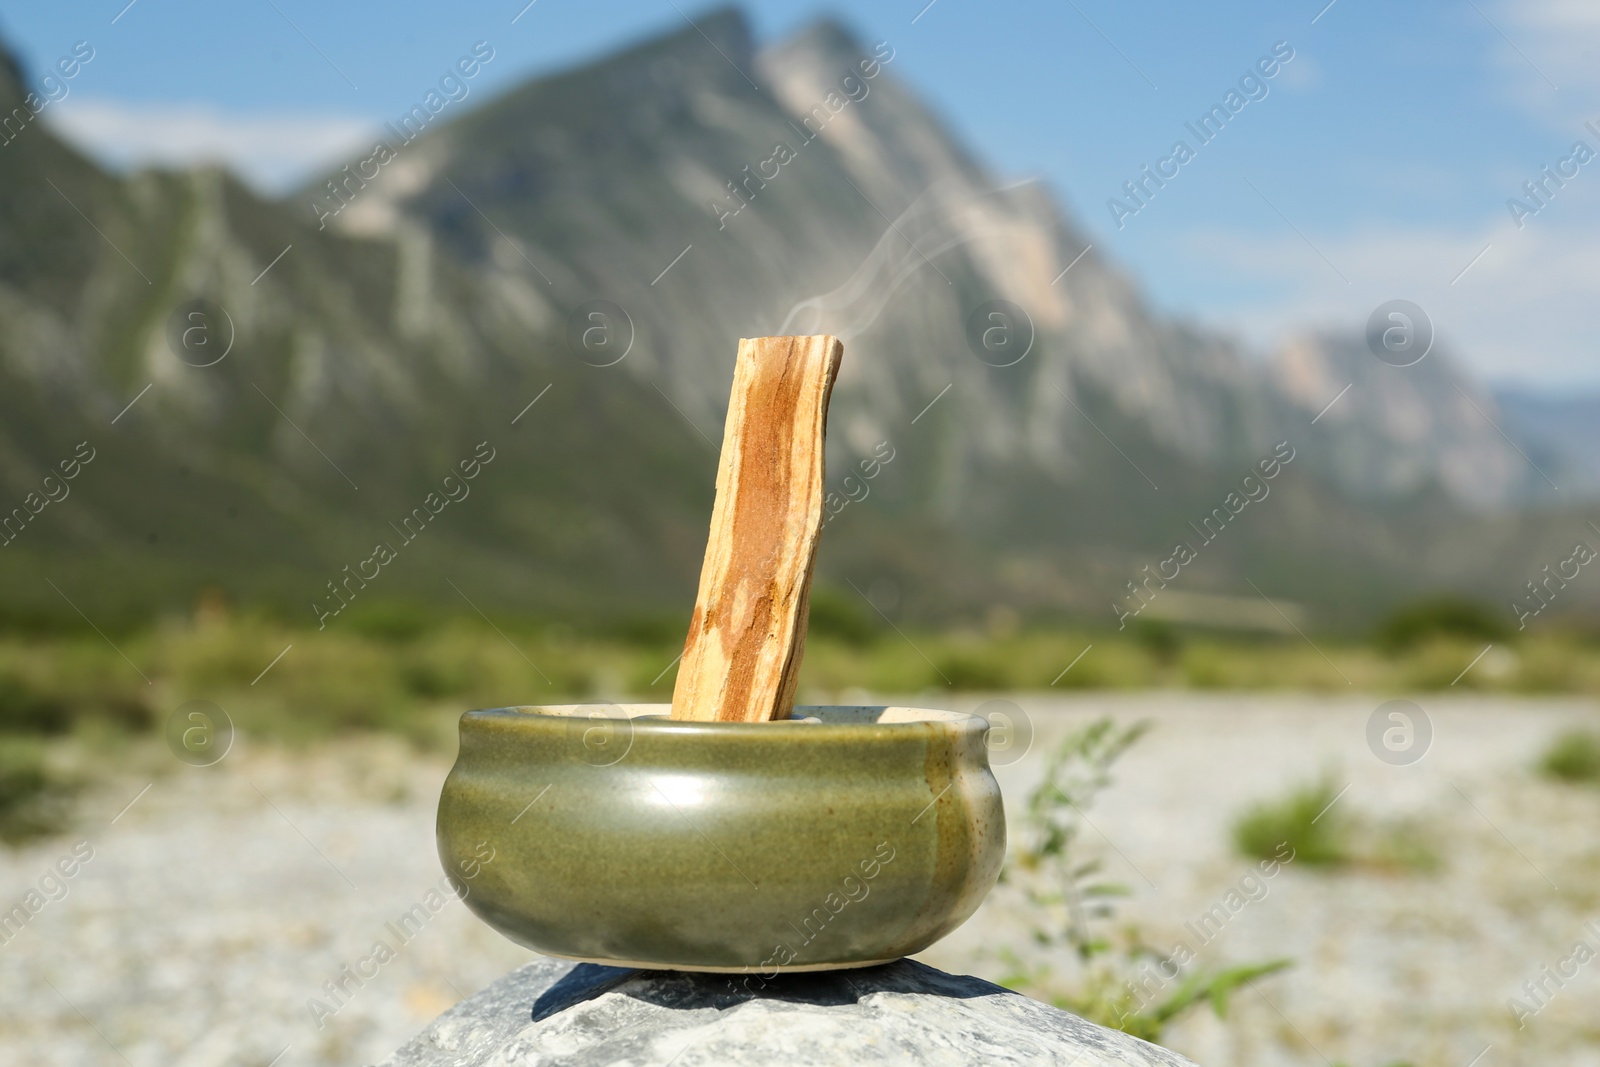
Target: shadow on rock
{"points": [[584, 982]]}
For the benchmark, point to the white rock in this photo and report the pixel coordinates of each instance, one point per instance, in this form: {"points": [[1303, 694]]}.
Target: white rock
{"points": [[553, 1012]]}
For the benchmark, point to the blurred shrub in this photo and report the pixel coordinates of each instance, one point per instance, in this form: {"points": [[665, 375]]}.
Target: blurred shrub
{"points": [[1573, 757], [389, 620], [399, 669], [651, 630], [24, 709], [431, 680], [1436, 663], [1319, 834], [1402, 847], [1158, 637], [131, 712], [975, 669], [1328, 835], [1556, 663], [840, 615], [34, 799], [60, 698], [1440, 616], [1205, 667]]}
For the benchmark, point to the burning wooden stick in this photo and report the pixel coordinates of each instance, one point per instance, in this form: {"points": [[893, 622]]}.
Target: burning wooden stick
{"points": [[742, 657]]}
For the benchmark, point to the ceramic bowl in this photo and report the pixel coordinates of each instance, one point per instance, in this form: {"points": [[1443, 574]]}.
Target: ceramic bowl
{"points": [[843, 837]]}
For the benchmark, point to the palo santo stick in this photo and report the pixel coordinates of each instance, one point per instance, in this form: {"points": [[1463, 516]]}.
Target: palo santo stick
{"points": [[742, 658]]}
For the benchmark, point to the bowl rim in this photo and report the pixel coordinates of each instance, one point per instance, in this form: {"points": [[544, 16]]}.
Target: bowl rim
{"points": [[812, 721]]}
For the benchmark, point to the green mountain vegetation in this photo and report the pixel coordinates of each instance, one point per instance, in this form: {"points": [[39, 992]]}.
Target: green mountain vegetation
{"points": [[371, 352]]}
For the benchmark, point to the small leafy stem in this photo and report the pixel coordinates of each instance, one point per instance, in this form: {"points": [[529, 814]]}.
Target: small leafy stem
{"points": [[1075, 906]]}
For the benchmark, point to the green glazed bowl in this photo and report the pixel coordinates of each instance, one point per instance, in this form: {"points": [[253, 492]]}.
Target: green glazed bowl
{"points": [[843, 837]]}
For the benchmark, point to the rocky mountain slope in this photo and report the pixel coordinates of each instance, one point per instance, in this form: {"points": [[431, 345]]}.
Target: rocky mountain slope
{"points": [[609, 232], [880, 227], [1561, 434], [357, 374]]}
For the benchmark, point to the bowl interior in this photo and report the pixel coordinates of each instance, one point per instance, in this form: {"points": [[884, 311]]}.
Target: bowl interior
{"points": [[833, 714]]}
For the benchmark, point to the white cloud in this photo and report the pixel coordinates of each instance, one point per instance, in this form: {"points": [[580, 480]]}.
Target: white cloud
{"points": [[1522, 313], [272, 151], [1304, 74], [1550, 54], [1565, 32]]}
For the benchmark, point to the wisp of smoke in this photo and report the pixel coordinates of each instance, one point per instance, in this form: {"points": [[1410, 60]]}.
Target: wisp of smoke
{"points": [[931, 226]]}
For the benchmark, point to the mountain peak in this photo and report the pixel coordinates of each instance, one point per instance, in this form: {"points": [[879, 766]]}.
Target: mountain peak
{"points": [[726, 29], [725, 25], [826, 35], [824, 48]]}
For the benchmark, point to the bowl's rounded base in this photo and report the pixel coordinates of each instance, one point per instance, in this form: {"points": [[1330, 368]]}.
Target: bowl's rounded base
{"points": [[766, 972]]}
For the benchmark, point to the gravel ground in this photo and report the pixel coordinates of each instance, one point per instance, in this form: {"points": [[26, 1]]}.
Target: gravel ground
{"points": [[222, 900]]}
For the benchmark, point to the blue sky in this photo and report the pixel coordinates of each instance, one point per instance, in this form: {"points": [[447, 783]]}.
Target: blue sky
{"points": [[1378, 165]]}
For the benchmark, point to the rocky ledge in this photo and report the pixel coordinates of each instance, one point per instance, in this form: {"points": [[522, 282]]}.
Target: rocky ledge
{"points": [[577, 1015]]}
